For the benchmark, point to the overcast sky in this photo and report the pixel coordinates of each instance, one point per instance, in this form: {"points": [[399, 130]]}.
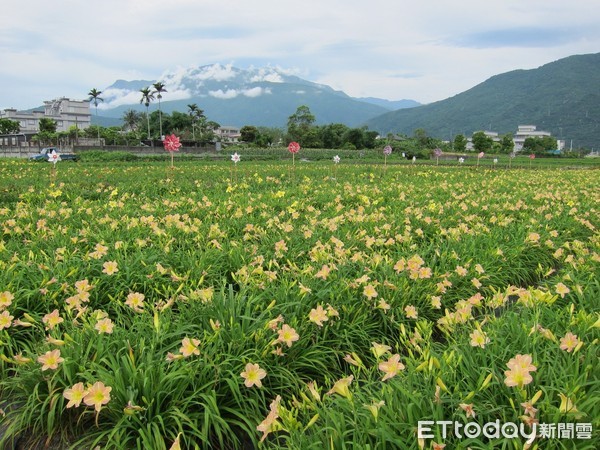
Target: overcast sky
{"points": [[424, 50]]}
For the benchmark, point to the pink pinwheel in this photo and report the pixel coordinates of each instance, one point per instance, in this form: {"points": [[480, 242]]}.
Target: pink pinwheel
{"points": [[387, 151], [479, 156], [172, 144], [294, 148]]}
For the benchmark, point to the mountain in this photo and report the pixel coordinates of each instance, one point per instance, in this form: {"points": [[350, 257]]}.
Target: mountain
{"points": [[392, 105], [562, 97], [264, 96]]}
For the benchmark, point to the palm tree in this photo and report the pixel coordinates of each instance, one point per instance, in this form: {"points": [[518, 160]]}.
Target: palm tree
{"points": [[195, 113], [131, 119], [158, 89], [147, 97], [94, 97]]}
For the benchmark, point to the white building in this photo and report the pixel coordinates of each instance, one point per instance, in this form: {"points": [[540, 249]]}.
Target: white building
{"points": [[526, 131], [228, 134], [65, 112]]}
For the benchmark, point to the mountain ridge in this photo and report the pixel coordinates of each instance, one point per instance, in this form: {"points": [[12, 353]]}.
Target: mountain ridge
{"points": [[561, 97], [264, 96]]}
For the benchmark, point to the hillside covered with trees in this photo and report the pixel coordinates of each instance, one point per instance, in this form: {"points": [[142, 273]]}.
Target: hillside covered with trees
{"points": [[562, 97]]}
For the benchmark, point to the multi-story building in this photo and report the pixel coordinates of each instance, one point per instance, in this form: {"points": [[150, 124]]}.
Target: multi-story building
{"points": [[526, 131], [228, 134], [65, 112], [523, 132]]}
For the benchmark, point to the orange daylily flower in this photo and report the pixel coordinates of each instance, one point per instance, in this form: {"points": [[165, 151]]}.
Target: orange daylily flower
{"points": [[135, 300], [318, 315], [104, 326], [479, 339], [253, 375], [561, 289], [75, 395], [468, 409], [287, 335], [50, 360], [569, 342], [391, 367], [6, 299], [189, 347], [97, 395], [369, 292], [341, 387], [5, 320], [522, 361], [52, 319], [110, 267]]}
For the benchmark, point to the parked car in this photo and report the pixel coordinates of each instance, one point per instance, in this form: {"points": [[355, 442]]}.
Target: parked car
{"points": [[43, 155]]}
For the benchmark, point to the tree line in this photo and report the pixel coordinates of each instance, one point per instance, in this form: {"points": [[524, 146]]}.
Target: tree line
{"points": [[194, 126]]}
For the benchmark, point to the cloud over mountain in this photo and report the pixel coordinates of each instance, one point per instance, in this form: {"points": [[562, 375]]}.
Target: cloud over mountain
{"points": [[264, 96], [216, 80]]}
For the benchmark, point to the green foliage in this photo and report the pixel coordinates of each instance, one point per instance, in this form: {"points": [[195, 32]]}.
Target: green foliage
{"points": [[47, 125], [8, 126], [507, 144], [260, 136], [539, 144], [460, 143], [481, 142], [332, 135], [103, 156], [300, 127], [249, 134]]}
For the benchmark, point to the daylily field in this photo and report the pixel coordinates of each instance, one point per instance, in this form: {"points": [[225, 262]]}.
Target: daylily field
{"points": [[265, 305]]}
